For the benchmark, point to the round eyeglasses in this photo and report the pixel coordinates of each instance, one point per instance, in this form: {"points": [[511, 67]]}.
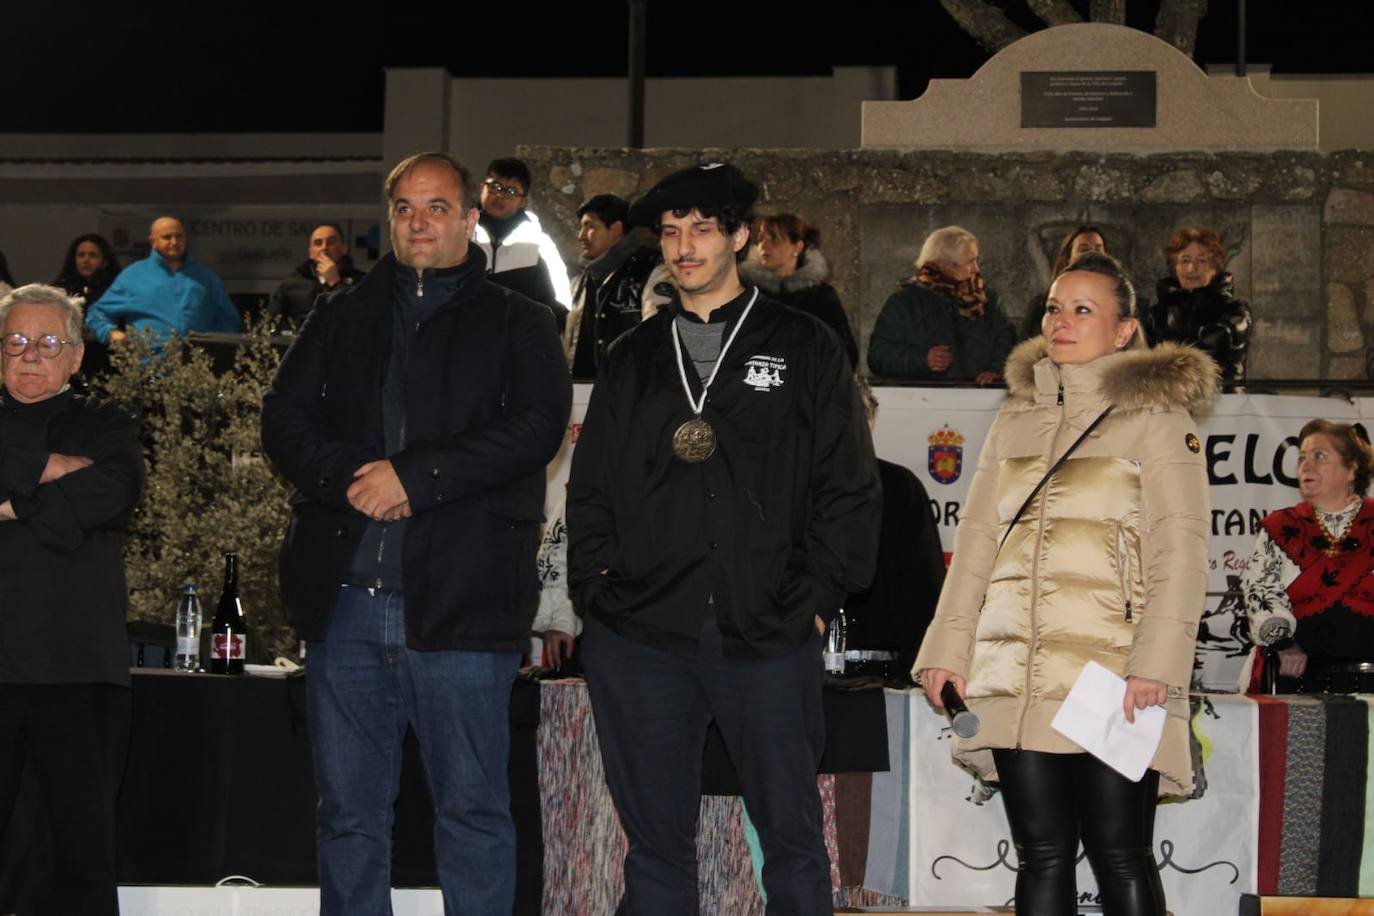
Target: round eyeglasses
{"points": [[49, 346], [505, 190]]}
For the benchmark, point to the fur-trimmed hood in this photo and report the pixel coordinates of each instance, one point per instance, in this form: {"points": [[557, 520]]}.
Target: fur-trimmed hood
{"points": [[812, 272], [1169, 374]]}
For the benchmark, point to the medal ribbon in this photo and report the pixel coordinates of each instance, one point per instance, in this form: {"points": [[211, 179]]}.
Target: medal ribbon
{"points": [[699, 406]]}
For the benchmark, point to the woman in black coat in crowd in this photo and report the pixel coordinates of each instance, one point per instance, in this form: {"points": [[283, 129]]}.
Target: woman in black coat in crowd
{"points": [[88, 269], [787, 264], [1197, 303]]}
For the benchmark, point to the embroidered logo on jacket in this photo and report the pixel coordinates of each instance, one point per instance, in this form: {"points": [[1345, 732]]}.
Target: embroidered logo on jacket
{"points": [[764, 372], [946, 456]]}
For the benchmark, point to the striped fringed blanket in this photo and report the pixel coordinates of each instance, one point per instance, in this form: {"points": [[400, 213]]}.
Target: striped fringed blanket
{"points": [[1314, 762]]}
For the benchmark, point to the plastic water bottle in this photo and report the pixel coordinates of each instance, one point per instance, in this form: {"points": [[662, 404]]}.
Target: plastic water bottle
{"points": [[188, 630], [835, 642]]}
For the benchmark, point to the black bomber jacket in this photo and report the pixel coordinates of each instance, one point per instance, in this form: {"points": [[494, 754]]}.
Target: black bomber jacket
{"points": [[775, 528]]}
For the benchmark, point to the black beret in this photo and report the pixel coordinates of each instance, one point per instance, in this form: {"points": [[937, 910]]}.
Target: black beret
{"points": [[711, 184]]}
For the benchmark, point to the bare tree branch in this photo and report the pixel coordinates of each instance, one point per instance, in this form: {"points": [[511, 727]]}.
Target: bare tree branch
{"points": [[987, 24], [1054, 12], [1177, 23], [1111, 11]]}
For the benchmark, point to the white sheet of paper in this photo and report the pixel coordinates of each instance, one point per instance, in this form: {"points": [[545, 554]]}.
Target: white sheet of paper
{"points": [[1091, 717]]}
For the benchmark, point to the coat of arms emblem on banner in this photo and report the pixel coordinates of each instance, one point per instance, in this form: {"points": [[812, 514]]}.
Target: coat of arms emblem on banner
{"points": [[946, 459]]}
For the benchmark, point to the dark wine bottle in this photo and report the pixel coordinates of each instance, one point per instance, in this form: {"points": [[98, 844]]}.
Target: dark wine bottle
{"points": [[228, 631]]}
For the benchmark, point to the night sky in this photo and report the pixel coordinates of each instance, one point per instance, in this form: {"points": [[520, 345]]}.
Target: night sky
{"points": [[253, 66]]}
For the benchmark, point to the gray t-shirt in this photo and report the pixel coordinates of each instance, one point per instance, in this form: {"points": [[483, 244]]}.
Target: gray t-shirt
{"points": [[702, 341]]}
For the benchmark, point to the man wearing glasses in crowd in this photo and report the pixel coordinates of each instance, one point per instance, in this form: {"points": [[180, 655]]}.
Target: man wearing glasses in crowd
{"points": [[520, 254]]}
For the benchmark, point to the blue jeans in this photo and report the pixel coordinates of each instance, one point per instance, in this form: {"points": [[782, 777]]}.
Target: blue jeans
{"points": [[364, 688]]}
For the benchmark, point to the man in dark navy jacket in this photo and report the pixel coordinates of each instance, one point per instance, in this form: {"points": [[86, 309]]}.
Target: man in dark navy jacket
{"points": [[415, 417], [723, 501]]}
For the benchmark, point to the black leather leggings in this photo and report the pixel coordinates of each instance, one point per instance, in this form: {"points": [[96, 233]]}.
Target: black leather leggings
{"points": [[1053, 800]]}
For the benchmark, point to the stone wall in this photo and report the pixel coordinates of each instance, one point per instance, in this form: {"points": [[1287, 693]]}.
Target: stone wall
{"points": [[1299, 227]]}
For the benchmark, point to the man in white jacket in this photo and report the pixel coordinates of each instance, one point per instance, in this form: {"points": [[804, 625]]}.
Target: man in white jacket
{"points": [[520, 254]]}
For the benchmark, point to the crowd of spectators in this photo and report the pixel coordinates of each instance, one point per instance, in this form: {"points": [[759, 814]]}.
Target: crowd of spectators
{"points": [[945, 322]]}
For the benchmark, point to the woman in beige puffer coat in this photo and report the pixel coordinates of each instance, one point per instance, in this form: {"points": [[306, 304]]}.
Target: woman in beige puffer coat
{"points": [[1108, 563]]}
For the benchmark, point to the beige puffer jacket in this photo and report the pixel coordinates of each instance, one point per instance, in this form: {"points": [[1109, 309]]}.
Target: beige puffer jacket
{"points": [[1108, 563]]}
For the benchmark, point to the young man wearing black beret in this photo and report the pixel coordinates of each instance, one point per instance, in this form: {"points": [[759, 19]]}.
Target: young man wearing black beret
{"points": [[724, 499]]}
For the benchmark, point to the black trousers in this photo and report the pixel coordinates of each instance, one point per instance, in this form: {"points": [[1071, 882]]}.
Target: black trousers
{"points": [[652, 710], [74, 738], [1053, 800]]}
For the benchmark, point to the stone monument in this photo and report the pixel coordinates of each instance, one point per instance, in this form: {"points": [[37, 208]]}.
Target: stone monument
{"points": [[1097, 88]]}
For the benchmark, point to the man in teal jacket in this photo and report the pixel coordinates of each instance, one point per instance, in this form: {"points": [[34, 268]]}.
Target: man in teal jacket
{"points": [[166, 293]]}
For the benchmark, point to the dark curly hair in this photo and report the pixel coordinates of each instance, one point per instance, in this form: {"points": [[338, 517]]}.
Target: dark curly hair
{"points": [[70, 280], [727, 216]]}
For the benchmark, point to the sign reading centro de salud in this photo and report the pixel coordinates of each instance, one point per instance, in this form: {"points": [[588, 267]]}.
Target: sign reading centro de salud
{"points": [[1088, 98]]}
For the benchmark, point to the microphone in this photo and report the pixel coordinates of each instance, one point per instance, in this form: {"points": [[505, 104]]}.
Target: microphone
{"points": [[964, 723], [1273, 630]]}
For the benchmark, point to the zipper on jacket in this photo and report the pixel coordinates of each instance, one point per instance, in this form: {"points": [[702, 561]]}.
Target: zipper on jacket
{"points": [[1123, 565], [1035, 577], [420, 286], [1060, 401]]}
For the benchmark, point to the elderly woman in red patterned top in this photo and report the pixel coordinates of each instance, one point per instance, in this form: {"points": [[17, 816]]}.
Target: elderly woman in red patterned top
{"points": [[1308, 589]]}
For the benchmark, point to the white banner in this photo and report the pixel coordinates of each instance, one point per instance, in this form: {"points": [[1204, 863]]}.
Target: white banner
{"points": [[961, 850]]}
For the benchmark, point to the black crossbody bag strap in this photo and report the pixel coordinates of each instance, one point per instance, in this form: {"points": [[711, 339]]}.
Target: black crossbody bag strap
{"points": [[1050, 473]]}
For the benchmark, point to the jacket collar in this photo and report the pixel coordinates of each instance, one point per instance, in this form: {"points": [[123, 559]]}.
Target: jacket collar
{"points": [[460, 283], [161, 262], [502, 229], [1223, 286], [729, 312], [613, 257], [47, 406], [812, 272], [1169, 375]]}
